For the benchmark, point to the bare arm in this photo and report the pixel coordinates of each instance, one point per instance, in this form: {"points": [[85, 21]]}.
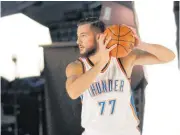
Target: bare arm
{"points": [[77, 81], [152, 54], [147, 54]]}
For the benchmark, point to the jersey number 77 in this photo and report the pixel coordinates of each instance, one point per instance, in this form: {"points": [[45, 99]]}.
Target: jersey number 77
{"points": [[102, 105]]}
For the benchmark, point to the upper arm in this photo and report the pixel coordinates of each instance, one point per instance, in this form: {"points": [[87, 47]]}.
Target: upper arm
{"points": [[73, 71], [138, 57], [145, 58]]}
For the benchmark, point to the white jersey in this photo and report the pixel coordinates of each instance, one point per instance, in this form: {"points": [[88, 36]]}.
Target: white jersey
{"points": [[107, 107]]}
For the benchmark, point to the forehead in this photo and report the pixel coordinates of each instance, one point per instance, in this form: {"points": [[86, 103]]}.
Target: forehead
{"points": [[84, 28]]}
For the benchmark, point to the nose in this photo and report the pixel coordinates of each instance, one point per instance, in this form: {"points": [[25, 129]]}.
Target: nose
{"points": [[78, 41]]}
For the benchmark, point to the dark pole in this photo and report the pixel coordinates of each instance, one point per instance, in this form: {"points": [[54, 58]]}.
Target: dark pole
{"points": [[14, 59]]}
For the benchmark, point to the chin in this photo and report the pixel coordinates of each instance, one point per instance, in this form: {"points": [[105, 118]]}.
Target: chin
{"points": [[82, 52], [83, 55]]}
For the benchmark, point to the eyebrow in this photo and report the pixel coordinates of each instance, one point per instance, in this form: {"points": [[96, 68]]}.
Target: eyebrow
{"points": [[83, 33]]}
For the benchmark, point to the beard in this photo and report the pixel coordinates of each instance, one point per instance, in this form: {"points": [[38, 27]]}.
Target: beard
{"points": [[90, 51]]}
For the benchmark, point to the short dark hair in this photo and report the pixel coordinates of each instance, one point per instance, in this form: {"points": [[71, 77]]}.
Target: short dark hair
{"points": [[95, 23]]}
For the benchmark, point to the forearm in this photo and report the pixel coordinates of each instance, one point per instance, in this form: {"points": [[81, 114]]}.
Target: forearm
{"points": [[83, 82], [161, 52]]}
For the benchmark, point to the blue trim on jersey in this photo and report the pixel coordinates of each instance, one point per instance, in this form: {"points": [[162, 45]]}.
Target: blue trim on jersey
{"points": [[81, 96], [133, 103]]}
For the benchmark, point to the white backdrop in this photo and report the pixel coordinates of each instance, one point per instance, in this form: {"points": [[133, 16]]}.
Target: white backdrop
{"points": [[162, 109], [21, 36]]}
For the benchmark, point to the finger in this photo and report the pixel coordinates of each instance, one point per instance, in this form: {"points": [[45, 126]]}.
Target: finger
{"points": [[135, 36], [137, 39], [104, 37], [131, 46], [101, 39], [107, 41], [132, 28], [138, 42], [134, 32], [112, 47]]}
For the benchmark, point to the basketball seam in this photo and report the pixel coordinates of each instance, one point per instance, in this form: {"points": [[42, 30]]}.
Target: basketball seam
{"points": [[118, 40], [112, 32], [123, 47], [123, 40], [130, 46], [125, 34]]}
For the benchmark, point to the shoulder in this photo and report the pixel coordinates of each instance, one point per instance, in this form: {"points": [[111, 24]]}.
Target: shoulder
{"points": [[129, 59], [128, 62], [74, 68], [133, 55]]}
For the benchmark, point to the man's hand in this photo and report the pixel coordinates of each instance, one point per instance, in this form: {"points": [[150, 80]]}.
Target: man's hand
{"points": [[104, 52], [137, 39]]}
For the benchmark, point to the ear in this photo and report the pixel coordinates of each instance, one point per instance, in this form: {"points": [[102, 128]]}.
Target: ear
{"points": [[98, 36]]}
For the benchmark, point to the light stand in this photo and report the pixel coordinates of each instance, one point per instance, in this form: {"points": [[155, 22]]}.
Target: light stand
{"points": [[14, 59]]}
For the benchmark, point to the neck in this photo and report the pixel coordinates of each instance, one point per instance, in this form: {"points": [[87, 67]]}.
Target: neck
{"points": [[95, 58]]}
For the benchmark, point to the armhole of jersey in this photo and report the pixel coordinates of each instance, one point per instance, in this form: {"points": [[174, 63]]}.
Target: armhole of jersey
{"points": [[119, 60], [83, 66], [84, 70], [81, 98]]}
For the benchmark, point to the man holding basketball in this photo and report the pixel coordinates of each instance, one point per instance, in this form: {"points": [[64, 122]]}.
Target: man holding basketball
{"points": [[102, 81]]}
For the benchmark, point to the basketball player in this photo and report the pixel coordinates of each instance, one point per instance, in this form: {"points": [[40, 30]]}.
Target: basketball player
{"points": [[103, 82]]}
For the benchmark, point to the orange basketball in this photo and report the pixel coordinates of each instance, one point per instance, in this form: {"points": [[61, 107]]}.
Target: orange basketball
{"points": [[123, 36]]}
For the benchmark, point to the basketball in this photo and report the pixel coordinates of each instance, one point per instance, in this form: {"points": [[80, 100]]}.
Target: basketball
{"points": [[123, 36]]}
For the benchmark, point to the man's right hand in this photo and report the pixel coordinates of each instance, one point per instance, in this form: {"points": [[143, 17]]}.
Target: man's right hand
{"points": [[103, 50]]}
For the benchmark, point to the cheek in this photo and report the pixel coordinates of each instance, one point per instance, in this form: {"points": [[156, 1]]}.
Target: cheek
{"points": [[89, 43]]}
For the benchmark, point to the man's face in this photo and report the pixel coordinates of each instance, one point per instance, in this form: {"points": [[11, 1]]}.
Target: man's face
{"points": [[86, 40]]}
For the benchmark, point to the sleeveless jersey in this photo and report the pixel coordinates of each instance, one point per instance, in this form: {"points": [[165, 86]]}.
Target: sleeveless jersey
{"points": [[107, 105]]}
